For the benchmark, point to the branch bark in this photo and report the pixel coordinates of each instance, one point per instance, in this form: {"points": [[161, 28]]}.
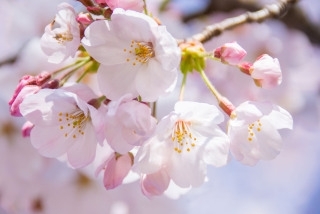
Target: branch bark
{"points": [[294, 17], [269, 11]]}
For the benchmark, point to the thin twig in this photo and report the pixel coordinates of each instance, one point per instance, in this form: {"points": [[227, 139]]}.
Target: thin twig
{"points": [[269, 11]]}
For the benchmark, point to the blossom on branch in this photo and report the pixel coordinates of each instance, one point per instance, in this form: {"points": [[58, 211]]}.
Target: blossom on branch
{"points": [[265, 71], [253, 131], [61, 38], [230, 53], [186, 141], [137, 56], [64, 123]]}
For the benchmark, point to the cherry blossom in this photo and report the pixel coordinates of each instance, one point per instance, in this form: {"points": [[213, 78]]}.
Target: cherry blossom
{"points": [[253, 131], [265, 71], [185, 141], [230, 53], [64, 123], [128, 123], [61, 38], [142, 62]]}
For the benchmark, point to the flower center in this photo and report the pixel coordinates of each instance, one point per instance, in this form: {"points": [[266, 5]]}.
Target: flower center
{"points": [[61, 37], [73, 123], [139, 52], [252, 128], [182, 137]]}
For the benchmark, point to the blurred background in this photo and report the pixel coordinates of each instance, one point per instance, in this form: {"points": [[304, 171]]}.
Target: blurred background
{"points": [[288, 184]]}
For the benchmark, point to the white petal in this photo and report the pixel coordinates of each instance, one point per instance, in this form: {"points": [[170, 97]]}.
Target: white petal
{"points": [[83, 151], [154, 81], [49, 141], [186, 169], [116, 81]]}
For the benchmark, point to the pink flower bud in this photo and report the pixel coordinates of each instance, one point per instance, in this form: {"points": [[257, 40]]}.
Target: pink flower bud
{"points": [[27, 85], [266, 72], [17, 99], [230, 53], [84, 18], [116, 170], [42, 78], [25, 80]]}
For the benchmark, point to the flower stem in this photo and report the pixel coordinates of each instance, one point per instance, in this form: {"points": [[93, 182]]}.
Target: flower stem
{"points": [[87, 70], [183, 86], [77, 66], [210, 86], [145, 10]]}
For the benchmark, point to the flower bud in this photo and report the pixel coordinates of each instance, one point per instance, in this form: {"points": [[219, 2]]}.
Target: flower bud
{"points": [[266, 72], [230, 53], [117, 169]]}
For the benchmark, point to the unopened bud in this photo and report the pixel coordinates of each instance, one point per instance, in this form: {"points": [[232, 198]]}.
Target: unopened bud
{"points": [[52, 84]]}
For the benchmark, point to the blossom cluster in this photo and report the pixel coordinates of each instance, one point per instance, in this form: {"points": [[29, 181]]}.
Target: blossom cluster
{"points": [[133, 61]]}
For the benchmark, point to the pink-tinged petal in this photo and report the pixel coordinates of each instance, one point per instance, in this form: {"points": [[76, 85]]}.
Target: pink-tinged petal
{"points": [[186, 169], [151, 157], [49, 112], [104, 49], [115, 81], [49, 141], [168, 56], [26, 129], [280, 118], [201, 113], [117, 168], [84, 92], [135, 21], [264, 144], [114, 136], [248, 112], [83, 151], [150, 84], [217, 149], [155, 183]]}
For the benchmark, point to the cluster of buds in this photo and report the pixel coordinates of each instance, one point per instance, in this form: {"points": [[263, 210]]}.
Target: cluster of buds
{"points": [[70, 120]]}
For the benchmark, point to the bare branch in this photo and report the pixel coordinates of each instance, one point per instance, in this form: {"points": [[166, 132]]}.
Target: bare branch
{"points": [[270, 11]]}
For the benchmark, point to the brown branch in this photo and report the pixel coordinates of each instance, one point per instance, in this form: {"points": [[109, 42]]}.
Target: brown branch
{"points": [[270, 11]]}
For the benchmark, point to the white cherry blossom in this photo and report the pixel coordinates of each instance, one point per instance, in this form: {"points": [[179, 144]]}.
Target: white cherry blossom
{"points": [[186, 141], [61, 38], [137, 55], [253, 131], [64, 123]]}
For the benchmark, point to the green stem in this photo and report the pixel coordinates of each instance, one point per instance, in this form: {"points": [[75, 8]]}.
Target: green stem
{"points": [[145, 10], [78, 65], [87, 70], [183, 86], [210, 86]]}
